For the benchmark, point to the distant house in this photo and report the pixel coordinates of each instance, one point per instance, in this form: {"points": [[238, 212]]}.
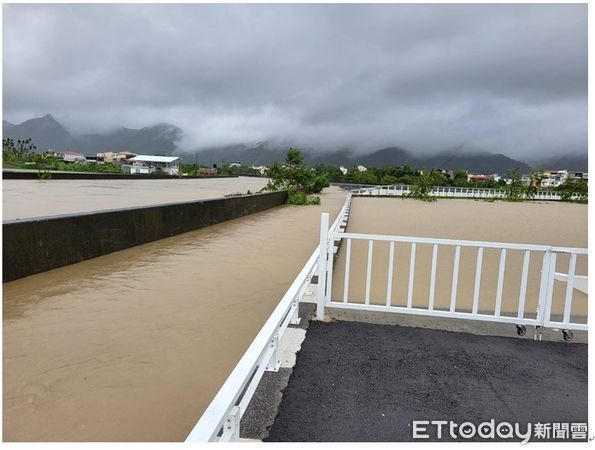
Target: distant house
{"points": [[343, 170], [208, 171], [554, 178], [235, 164], [361, 168], [578, 175], [114, 157], [148, 164], [261, 169], [68, 156]]}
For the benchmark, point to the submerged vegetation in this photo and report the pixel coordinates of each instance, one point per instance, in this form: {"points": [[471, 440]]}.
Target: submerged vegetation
{"points": [[300, 181]]}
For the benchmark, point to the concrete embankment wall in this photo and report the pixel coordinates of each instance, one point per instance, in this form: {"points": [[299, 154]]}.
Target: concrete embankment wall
{"points": [[35, 245]]}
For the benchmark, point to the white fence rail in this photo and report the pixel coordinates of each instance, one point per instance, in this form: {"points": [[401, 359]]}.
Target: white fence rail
{"points": [[543, 318], [402, 190], [221, 420]]}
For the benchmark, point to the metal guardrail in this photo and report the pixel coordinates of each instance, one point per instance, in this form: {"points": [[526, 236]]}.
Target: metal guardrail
{"points": [[543, 319], [401, 190], [221, 420]]}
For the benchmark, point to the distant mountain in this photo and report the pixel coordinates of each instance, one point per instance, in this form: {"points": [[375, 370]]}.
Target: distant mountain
{"points": [[578, 162], [157, 139], [47, 133], [256, 154], [486, 163], [267, 153]]}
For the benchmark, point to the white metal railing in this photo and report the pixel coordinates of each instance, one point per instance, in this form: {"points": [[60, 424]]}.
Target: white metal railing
{"points": [[543, 318], [401, 190], [221, 420]]}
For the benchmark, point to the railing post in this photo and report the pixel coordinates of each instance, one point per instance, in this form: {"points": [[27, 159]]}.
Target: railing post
{"points": [[273, 363], [231, 428], [544, 298], [322, 259]]}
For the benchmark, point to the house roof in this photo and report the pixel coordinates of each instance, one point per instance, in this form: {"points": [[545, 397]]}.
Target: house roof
{"points": [[150, 158]]}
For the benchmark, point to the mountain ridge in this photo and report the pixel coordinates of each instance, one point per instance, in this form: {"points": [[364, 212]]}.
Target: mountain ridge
{"points": [[164, 138]]}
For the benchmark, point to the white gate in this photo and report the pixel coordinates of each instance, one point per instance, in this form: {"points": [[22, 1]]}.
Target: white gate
{"points": [[542, 317]]}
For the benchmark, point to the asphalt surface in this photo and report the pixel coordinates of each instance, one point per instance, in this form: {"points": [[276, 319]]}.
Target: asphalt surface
{"points": [[356, 381]]}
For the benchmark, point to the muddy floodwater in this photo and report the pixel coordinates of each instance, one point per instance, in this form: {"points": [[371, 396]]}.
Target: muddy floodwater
{"points": [[33, 198], [132, 346], [547, 223]]}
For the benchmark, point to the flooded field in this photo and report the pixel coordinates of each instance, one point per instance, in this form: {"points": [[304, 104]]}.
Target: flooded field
{"points": [[132, 346], [34, 198], [554, 223]]}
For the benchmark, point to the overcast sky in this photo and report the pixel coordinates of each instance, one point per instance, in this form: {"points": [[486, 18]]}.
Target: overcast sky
{"points": [[504, 78]]}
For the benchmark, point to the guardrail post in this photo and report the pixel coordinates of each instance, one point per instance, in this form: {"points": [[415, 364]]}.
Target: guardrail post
{"points": [[322, 259], [273, 363], [295, 315], [543, 303]]}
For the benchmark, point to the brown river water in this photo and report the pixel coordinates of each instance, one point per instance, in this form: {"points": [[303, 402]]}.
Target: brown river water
{"points": [[135, 344], [547, 223], [31, 198]]}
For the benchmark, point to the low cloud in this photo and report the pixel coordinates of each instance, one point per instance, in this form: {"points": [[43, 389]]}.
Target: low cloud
{"points": [[501, 78]]}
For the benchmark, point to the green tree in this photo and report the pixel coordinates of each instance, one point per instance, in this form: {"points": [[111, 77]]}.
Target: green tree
{"points": [[515, 190], [20, 152], [569, 187], [294, 157], [297, 179], [421, 188], [388, 179], [535, 177], [460, 178]]}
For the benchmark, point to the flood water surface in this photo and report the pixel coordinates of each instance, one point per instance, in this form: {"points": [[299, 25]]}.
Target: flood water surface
{"points": [[33, 198], [132, 346]]}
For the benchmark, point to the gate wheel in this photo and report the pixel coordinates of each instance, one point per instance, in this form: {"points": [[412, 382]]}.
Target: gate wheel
{"points": [[568, 335]]}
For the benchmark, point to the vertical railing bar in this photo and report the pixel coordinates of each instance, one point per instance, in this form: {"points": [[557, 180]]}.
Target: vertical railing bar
{"points": [[347, 266], [411, 276], [569, 288], [433, 276], [523, 292], [389, 281], [455, 278], [329, 269], [477, 280], [369, 271], [550, 287], [322, 259], [500, 286]]}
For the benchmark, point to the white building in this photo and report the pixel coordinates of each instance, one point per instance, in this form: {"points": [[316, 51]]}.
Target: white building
{"points": [[343, 170], [554, 178], [261, 169], [147, 164], [362, 169]]}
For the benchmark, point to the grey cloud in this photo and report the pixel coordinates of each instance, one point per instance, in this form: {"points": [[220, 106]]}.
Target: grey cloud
{"points": [[501, 78]]}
